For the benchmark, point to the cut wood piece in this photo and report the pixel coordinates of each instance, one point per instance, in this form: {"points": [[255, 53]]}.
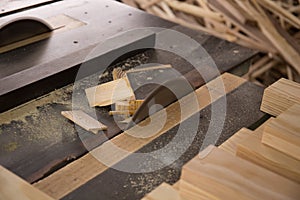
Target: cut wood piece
{"points": [[163, 192], [281, 44], [84, 120], [129, 106], [13, 187], [280, 96], [283, 133], [84, 169], [220, 175], [231, 144], [253, 150], [109, 93], [236, 11], [118, 73], [194, 10]]}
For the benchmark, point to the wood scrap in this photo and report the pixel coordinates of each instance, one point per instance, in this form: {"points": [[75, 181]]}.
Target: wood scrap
{"points": [[270, 26], [280, 96], [118, 73], [219, 175], [283, 132], [126, 107], [109, 93], [84, 120], [13, 187]]}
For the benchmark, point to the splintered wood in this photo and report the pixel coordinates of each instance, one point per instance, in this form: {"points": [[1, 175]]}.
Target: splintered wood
{"points": [[126, 108], [14, 188], [84, 120], [280, 96], [270, 26]]}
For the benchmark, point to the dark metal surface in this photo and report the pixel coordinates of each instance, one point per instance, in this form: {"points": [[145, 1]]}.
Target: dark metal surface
{"points": [[22, 29], [164, 95]]}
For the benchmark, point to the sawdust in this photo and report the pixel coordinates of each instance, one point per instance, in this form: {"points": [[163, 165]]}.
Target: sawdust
{"points": [[12, 146]]}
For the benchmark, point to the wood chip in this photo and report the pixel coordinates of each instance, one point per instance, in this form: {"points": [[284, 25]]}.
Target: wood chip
{"points": [[84, 120]]}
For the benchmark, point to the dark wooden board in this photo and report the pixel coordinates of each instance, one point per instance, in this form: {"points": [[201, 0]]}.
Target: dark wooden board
{"points": [[242, 110]]}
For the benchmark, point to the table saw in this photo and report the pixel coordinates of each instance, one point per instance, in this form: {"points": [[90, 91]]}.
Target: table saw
{"points": [[36, 84]]}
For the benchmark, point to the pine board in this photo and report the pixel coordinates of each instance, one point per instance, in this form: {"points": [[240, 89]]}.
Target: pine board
{"points": [[253, 150], [280, 96], [224, 176], [283, 132]]}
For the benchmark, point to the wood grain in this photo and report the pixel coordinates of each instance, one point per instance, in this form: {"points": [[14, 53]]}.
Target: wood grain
{"points": [[66, 180], [224, 176], [14, 188], [230, 146], [164, 192], [280, 96], [109, 93], [253, 150], [283, 133], [84, 120]]}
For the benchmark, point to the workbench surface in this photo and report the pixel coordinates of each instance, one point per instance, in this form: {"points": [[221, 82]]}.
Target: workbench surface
{"points": [[36, 140]]}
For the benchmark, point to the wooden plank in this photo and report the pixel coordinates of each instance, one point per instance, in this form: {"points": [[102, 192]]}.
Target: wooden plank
{"points": [[61, 183], [109, 93], [231, 144], [84, 120], [253, 150], [283, 133], [163, 192], [224, 176], [280, 96], [14, 188]]}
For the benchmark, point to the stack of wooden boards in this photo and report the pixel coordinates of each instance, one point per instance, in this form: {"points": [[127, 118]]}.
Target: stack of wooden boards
{"points": [[259, 164], [266, 25]]}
